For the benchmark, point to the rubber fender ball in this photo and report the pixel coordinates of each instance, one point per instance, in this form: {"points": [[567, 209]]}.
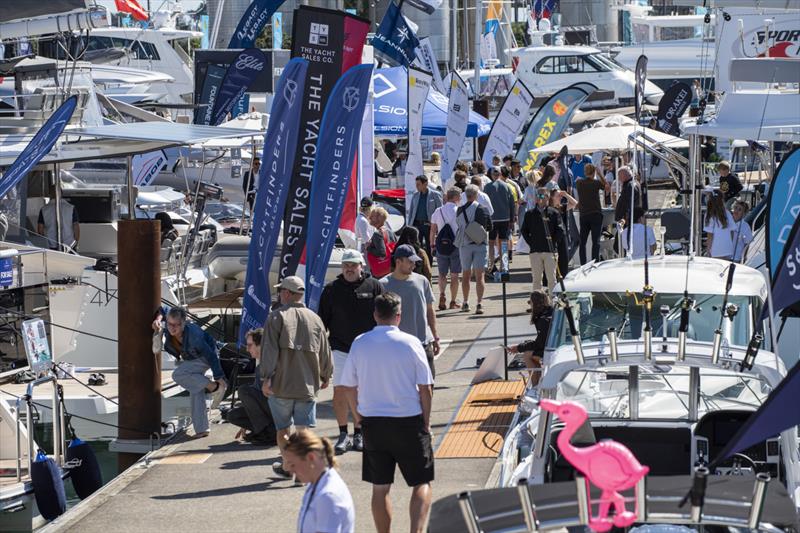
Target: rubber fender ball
{"points": [[48, 488], [84, 470]]}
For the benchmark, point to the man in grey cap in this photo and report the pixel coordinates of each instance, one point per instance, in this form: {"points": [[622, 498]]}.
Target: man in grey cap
{"points": [[295, 362], [346, 307]]}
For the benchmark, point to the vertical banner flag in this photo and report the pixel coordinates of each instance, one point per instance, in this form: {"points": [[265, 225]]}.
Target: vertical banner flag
{"points": [[40, 146], [672, 106], [332, 42], [240, 74], [277, 31], [147, 166], [428, 6], [366, 178], [339, 137], [786, 287], [427, 60], [280, 143], [550, 121], [641, 80], [457, 122], [419, 83], [208, 96], [509, 122], [783, 205], [252, 23], [396, 41]]}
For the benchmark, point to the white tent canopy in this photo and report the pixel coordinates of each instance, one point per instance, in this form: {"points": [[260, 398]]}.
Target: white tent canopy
{"points": [[611, 135]]}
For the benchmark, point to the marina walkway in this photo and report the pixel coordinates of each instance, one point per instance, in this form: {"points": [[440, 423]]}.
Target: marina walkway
{"points": [[216, 484]]}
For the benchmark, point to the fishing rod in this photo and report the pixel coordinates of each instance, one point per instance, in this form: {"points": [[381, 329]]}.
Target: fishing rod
{"points": [[725, 310]]}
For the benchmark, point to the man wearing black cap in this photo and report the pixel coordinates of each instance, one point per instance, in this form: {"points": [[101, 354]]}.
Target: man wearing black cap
{"points": [[418, 317]]}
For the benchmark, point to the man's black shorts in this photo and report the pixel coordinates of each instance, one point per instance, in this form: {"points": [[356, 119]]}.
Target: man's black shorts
{"points": [[396, 441], [499, 230]]}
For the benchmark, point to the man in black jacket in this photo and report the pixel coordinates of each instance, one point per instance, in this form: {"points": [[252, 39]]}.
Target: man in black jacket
{"points": [[346, 308], [630, 193], [542, 229]]}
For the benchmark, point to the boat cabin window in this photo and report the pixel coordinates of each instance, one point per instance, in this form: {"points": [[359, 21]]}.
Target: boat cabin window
{"points": [[663, 391], [567, 65], [137, 49], [596, 312]]}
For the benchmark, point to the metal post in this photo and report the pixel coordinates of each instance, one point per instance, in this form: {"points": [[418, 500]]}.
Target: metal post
{"points": [[247, 188], [692, 182], [505, 334], [716, 346], [57, 435], [453, 33], [759, 491], [633, 392], [468, 513], [476, 78], [526, 504], [131, 199], [539, 445], [582, 498], [19, 442], [698, 493], [612, 344], [681, 345], [694, 392], [648, 342], [641, 499], [139, 250]]}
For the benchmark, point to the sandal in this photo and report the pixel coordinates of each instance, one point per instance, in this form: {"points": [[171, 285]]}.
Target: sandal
{"points": [[442, 303], [455, 305]]}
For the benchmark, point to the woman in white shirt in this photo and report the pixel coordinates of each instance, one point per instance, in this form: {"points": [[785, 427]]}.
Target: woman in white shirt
{"points": [[720, 227], [742, 233], [327, 506]]}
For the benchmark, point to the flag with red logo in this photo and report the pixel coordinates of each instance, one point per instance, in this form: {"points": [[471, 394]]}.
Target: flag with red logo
{"points": [[131, 7]]}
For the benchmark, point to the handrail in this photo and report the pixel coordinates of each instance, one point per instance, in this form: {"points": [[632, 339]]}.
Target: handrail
{"points": [[58, 424]]}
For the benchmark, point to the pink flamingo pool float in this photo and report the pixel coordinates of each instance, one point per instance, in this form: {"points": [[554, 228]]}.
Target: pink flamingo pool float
{"points": [[608, 465]]}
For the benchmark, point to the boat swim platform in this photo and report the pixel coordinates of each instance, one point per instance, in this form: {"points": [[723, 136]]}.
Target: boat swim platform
{"points": [[481, 423]]}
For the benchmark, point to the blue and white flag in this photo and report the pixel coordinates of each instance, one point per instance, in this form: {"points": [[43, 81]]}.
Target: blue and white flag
{"points": [[337, 144], [786, 278], [783, 205], [241, 73], [396, 41], [252, 23], [280, 144], [40, 146], [428, 6], [208, 95]]}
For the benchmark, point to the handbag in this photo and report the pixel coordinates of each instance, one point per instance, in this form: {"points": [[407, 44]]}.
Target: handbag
{"points": [[381, 266], [474, 231]]}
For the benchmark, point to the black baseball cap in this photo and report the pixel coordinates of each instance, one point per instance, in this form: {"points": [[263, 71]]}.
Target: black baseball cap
{"points": [[366, 202]]}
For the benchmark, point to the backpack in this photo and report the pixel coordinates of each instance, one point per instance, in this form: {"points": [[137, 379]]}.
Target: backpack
{"points": [[445, 239], [381, 266]]}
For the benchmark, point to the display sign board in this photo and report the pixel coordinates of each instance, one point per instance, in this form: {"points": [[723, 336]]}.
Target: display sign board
{"points": [[34, 335]]}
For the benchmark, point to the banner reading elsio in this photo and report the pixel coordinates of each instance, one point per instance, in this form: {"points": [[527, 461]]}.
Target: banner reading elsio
{"points": [[332, 42], [280, 144]]}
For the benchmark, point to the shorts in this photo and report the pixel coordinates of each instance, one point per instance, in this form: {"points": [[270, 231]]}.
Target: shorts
{"points": [[286, 411], [500, 230], [448, 263], [339, 360], [473, 256], [390, 442]]}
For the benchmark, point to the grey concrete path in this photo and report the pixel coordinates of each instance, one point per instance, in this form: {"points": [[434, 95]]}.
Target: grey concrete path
{"points": [[225, 486]]}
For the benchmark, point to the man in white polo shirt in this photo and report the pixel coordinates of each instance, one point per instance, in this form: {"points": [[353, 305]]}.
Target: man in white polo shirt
{"points": [[389, 380]]}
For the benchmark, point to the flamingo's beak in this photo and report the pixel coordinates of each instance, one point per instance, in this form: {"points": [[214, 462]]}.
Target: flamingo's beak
{"points": [[549, 405]]}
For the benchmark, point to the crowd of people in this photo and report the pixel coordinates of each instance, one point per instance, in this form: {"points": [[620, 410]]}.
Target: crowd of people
{"points": [[383, 302]]}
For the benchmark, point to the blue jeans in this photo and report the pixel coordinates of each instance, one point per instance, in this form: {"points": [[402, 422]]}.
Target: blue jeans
{"points": [[286, 411], [191, 375]]}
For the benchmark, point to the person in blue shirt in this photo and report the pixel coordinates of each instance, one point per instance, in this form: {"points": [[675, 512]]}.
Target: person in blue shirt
{"points": [[577, 166], [195, 352]]}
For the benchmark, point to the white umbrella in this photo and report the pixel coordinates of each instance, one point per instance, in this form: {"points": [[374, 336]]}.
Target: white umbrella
{"points": [[610, 135]]}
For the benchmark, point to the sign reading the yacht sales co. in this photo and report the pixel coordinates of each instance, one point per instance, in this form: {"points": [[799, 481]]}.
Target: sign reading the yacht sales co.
{"points": [[332, 42], [40, 146]]}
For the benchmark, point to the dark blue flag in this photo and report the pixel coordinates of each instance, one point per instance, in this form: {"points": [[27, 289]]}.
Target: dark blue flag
{"points": [[252, 23], [208, 95], [783, 205], [336, 150], [40, 146], [280, 143], [395, 42], [241, 73], [786, 284]]}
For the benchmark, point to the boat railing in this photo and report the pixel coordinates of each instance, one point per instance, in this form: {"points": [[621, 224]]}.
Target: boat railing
{"points": [[59, 424]]}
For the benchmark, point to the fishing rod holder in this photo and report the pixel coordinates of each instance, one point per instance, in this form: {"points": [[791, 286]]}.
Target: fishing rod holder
{"points": [[648, 343], [752, 352], [759, 494], [612, 344], [528, 510], [715, 348], [468, 512], [697, 494]]}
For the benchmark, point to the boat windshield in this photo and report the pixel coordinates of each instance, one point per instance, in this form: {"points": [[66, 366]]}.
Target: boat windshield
{"points": [[663, 391], [602, 62], [596, 312]]}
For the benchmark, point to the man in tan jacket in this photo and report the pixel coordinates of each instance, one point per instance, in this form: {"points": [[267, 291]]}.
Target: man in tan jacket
{"points": [[295, 362]]}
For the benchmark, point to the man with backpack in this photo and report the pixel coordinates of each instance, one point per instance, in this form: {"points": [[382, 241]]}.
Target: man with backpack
{"points": [[472, 239], [443, 235]]}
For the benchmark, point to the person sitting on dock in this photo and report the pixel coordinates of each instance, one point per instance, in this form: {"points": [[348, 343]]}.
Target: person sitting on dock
{"points": [[295, 362], [195, 352], [541, 318], [253, 414]]}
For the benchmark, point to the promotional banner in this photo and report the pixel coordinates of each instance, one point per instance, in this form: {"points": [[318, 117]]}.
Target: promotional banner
{"points": [[638, 92], [786, 287], [427, 60], [240, 74], [366, 175], [395, 41], [208, 96], [253, 22], [337, 145], [419, 83], [551, 120], [783, 204], [457, 121], [672, 106], [332, 42], [280, 144], [277, 31], [428, 6], [145, 167], [40, 146], [509, 122]]}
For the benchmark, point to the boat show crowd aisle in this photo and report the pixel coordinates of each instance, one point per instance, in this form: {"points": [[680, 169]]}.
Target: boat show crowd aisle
{"points": [[217, 484]]}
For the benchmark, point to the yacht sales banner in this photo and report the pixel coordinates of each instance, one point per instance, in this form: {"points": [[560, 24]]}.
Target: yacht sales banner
{"points": [[457, 122], [280, 143], [240, 74], [332, 42], [208, 96], [419, 83], [337, 146], [672, 105], [40, 146], [550, 121], [509, 122], [783, 205], [252, 23]]}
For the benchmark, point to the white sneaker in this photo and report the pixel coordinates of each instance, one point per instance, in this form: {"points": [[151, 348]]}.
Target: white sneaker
{"points": [[218, 395]]}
